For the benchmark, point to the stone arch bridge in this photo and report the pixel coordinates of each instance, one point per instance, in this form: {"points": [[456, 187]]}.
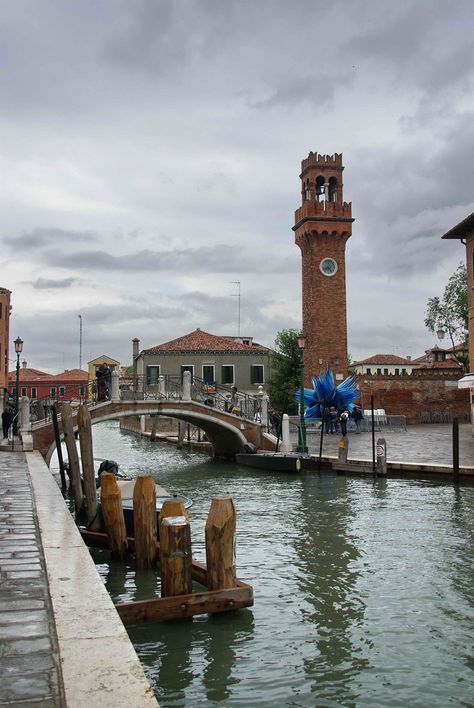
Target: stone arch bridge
{"points": [[227, 433]]}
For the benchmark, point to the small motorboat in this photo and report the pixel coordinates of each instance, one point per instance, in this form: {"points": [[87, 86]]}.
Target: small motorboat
{"points": [[272, 461], [127, 484], [162, 495]]}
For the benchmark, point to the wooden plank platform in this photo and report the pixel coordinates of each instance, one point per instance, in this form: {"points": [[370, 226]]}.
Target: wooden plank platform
{"points": [[180, 606], [353, 468]]}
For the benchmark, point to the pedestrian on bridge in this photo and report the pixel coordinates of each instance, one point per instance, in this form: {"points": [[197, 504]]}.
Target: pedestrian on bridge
{"points": [[7, 420]]}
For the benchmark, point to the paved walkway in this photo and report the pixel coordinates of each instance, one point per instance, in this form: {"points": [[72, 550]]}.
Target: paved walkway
{"points": [[62, 642], [29, 658], [419, 444]]}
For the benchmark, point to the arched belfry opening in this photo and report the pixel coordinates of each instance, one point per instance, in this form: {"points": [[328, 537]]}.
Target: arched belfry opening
{"points": [[320, 193], [323, 225]]}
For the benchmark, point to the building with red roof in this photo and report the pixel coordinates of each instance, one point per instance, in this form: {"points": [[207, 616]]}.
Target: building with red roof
{"points": [[69, 385], [227, 361]]}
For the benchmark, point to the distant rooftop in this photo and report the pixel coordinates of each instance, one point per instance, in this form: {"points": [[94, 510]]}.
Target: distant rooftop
{"points": [[390, 359], [200, 341]]}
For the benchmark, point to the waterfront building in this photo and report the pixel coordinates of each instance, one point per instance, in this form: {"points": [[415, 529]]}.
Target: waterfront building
{"points": [[5, 309], [69, 385], [464, 232], [383, 365], [227, 361], [95, 363], [323, 224]]}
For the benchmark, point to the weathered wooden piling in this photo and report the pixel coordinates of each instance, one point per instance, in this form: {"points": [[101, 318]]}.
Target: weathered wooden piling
{"points": [[381, 457], [59, 450], [154, 427], [144, 520], [455, 450], [220, 544], [87, 459], [175, 556], [343, 450], [73, 457], [172, 507], [112, 511]]}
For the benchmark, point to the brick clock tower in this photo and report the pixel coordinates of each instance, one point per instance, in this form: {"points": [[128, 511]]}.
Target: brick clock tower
{"points": [[323, 224]]}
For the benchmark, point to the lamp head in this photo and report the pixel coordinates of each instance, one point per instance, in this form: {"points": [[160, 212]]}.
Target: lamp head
{"points": [[18, 345], [301, 341]]}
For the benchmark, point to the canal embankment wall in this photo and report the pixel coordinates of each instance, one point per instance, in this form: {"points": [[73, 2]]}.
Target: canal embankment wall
{"points": [[98, 662]]}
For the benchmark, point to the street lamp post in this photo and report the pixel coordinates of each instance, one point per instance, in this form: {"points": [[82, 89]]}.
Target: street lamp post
{"points": [[18, 349], [302, 437]]}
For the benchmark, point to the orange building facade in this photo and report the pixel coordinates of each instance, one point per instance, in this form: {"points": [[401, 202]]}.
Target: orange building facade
{"points": [[5, 309]]}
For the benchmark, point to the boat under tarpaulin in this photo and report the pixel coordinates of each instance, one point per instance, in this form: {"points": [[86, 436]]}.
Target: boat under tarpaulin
{"points": [[272, 461]]}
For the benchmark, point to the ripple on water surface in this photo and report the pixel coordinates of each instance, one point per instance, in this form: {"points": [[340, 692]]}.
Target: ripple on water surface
{"points": [[363, 590]]}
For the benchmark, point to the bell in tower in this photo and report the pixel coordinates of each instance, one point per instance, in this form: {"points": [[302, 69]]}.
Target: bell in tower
{"points": [[323, 224]]}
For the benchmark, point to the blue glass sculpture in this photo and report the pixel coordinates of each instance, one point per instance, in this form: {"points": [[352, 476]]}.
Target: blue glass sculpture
{"points": [[325, 394]]}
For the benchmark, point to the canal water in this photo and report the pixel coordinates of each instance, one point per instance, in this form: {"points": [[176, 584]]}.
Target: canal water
{"points": [[364, 590]]}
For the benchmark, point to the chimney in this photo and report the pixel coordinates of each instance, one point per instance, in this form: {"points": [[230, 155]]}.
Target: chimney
{"points": [[24, 364], [408, 358], [136, 348]]}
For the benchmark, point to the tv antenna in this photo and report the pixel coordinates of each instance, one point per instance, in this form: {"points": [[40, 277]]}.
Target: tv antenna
{"points": [[237, 294]]}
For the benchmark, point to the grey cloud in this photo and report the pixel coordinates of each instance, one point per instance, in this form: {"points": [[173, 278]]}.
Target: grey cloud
{"points": [[48, 284], [41, 238], [218, 259]]}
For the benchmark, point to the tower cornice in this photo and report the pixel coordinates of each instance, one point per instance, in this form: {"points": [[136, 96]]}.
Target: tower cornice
{"points": [[321, 219]]}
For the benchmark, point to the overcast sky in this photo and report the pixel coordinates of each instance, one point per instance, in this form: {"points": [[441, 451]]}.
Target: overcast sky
{"points": [[151, 152]]}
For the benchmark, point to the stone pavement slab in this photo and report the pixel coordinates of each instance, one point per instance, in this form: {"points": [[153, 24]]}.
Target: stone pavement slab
{"points": [[29, 658], [421, 444], [62, 642]]}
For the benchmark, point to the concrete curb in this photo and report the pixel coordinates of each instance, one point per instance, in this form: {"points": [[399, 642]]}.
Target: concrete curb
{"points": [[99, 664]]}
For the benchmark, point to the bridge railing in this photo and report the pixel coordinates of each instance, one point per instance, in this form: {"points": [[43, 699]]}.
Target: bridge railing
{"points": [[220, 397], [169, 388], [74, 393]]}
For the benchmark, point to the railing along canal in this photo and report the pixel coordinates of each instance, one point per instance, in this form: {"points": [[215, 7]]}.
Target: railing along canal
{"points": [[167, 388]]}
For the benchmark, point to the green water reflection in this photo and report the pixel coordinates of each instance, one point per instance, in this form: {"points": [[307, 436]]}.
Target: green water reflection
{"points": [[363, 590]]}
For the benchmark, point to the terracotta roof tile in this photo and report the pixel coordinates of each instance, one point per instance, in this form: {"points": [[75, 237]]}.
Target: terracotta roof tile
{"points": [[200, 341], [389, 359], [27, 374], [447, 364], [72, 375]]}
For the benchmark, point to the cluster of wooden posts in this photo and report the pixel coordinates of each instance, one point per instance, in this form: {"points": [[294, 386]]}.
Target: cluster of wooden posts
{"points": [[163, 540]]}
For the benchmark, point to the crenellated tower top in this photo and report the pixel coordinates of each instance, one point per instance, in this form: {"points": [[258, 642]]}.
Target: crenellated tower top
{"points": [[322, 189]]}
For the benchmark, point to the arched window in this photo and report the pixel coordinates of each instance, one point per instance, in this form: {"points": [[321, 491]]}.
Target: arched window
{"points": [[307, 192], [320, 188], [333, 189]]}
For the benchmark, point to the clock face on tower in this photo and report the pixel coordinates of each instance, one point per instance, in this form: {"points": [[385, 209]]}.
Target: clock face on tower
{"points": [[328, 266]]}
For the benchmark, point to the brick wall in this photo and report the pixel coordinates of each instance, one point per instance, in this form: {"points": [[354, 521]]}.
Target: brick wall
{"points": [[412, 395]]}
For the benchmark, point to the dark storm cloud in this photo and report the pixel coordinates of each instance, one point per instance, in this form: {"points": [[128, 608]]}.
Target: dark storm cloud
{"points": [[414, 42], [48, 284], [41, 238], [216, 259]]}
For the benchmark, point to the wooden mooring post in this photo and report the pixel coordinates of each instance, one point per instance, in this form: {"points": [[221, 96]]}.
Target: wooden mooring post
{"points": [[87, 459], [144, 521], [59, 449], [175, 556], [455, 450], [112, 511], [73, 457], [222, 592], [220, 544]]}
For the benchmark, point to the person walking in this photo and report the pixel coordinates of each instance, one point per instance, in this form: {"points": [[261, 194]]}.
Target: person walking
{"points": [[7, 419], [326, 419], [343, 418], [358, 417], [104, 382], [332, 420]]}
